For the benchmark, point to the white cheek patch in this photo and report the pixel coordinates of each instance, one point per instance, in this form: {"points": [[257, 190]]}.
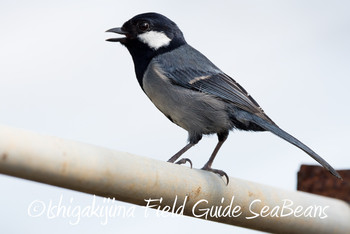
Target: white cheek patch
{"points": [[154, 39]]}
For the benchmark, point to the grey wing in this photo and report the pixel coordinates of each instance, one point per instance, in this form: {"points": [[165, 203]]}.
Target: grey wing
{"points": [[219, 85], [194, 71]]}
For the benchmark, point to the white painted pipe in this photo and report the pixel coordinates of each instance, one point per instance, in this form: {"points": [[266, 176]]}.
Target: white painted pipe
{"points": [[134, 179]]}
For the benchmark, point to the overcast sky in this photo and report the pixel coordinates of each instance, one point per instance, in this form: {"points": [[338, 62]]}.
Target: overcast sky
{"points": [[59, 77]]}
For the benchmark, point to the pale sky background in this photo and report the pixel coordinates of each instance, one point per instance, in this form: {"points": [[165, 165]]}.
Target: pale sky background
{"points": [[59, 77]]}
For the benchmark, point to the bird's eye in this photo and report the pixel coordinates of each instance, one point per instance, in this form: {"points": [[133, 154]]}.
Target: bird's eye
{"points": [[143, 26]]}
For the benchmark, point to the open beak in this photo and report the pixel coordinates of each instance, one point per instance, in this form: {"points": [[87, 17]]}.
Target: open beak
{"points": [[119, 31]]}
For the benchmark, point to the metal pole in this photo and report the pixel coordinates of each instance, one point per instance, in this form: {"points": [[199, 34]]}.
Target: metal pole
{"points": [[133, 179]]}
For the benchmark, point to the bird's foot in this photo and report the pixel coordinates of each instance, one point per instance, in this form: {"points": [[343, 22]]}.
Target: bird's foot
{"points": [[184, 161], [181, 161], [216, 171]]}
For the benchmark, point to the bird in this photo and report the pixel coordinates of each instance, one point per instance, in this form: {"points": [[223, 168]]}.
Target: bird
{"points": [[190, 90]]}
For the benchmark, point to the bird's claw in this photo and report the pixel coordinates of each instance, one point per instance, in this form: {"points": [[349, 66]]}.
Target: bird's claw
{"points": [[216, 171], [183, 161]]}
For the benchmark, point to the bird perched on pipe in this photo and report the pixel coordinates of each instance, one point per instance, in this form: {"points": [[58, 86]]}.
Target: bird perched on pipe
{"points": [[190, 90]]}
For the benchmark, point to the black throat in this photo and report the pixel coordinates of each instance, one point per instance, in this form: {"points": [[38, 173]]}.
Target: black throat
{"points": [[142, 54]]}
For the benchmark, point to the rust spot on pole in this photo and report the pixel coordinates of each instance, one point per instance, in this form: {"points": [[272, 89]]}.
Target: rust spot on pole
{"points": [[4, 156], [194, 193], [198, 190]]}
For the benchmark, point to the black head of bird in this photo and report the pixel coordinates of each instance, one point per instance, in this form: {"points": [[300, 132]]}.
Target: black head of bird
{"points": [[190, 90], [147, 35]]}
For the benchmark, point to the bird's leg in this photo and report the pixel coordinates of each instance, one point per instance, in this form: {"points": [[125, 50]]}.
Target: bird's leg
{"points": [[222, 138], [181, 152]]}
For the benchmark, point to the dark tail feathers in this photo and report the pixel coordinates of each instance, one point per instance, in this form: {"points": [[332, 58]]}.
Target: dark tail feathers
{"points": [[286, 136]]}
